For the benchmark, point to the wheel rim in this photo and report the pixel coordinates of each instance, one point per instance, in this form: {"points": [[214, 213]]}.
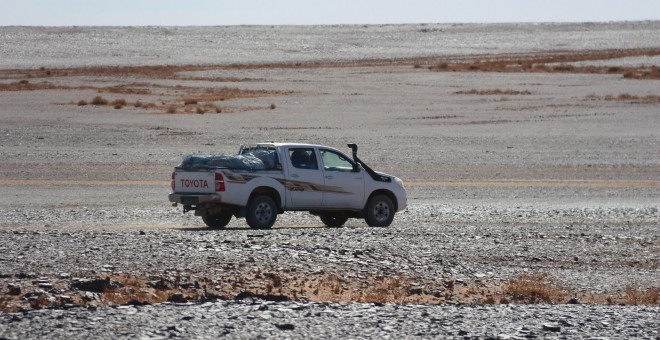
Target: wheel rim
{"points": [[381, 212], [263, 213]]}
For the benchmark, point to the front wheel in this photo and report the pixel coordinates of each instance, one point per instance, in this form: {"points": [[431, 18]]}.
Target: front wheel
{"points": [[261, 213], [333, 220], [217, 221], [380, 211]]}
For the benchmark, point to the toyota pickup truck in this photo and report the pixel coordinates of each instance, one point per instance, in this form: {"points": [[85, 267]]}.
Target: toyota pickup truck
{"points": [[300, 177]]}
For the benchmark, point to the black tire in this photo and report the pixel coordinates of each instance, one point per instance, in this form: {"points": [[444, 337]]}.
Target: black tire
{"points": [[261, 212], [380, 211], [333, 220], [217, 221]]}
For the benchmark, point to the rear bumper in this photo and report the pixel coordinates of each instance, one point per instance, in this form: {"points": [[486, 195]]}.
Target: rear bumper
{"points": [[194, 199]]}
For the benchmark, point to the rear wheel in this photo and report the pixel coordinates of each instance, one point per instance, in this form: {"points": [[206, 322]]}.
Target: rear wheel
{"points": [[217, 221], [333, 220], [380, 211], [261, 212]]}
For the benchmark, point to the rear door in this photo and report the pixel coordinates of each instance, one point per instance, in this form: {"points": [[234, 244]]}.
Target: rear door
{"points": [[305, 177], [344, 187]]}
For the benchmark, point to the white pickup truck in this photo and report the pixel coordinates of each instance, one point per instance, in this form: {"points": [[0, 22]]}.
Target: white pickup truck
{"points": [[302, 177]]}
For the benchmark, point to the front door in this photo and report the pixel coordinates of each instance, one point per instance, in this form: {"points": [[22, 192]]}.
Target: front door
{"points": [[305, 178], [344, 186]]}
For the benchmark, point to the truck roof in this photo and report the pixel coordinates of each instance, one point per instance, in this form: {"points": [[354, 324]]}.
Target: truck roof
{"points": [[288, 144]]}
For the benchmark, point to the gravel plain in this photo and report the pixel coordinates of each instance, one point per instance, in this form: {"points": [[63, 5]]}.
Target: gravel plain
{"points": [[552, 182], [250, 319], [33, 47]]}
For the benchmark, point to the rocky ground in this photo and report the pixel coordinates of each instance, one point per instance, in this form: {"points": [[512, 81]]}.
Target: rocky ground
{"points": [[264, 319], [533, 201], [441, 270]]}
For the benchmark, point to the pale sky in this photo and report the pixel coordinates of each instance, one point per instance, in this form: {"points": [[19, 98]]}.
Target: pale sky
{"points": [[321, 12]]}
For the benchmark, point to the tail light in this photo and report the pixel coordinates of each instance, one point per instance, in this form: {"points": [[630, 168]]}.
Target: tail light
{"points": [[172, 182], [219, 182]]}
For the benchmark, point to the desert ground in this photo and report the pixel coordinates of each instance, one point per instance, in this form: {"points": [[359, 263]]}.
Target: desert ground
{"points": [[529, 153]]}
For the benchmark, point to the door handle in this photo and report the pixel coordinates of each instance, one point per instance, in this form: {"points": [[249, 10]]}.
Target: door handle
{"points": [[329, 177], [294, 175]]}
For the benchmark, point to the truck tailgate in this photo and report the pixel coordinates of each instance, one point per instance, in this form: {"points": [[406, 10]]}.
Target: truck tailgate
{"points": [[194, 182]]}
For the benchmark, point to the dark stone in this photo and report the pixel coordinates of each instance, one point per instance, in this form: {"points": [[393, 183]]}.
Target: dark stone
{"points": [[138, 303], [96, 285], [188, 285], [574, 301], [177, 298], [34, 295], [286, 327], [25, 275], [551, 327], [14, 289], [266, 297]]}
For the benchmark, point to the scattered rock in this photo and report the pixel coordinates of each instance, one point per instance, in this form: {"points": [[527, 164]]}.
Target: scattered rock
{"points": [[90, 296], [45, 285], [161, 284]]}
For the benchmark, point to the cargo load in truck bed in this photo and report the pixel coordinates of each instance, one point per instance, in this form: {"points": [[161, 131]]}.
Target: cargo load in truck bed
{"points": [[255, 160]]}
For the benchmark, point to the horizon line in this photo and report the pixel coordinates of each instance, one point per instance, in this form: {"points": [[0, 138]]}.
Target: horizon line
{"points": [[349, 24]]}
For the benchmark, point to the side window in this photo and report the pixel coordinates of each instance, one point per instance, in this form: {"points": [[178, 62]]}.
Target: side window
{"points": [[333, 161], [303, 158]]}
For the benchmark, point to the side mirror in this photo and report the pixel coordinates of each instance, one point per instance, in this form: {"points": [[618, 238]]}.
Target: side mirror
{"points": [[356, 168]]}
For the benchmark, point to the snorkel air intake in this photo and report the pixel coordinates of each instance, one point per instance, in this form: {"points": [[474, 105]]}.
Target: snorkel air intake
{"points": [[370, 171]]}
